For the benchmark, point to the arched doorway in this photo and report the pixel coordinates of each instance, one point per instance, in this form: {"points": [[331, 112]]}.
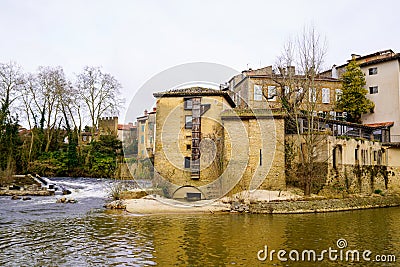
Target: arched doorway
{"points": [[189, 193]]}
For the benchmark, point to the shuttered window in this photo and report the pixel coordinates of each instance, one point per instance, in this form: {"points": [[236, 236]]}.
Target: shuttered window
{"points": [[271, 93]]}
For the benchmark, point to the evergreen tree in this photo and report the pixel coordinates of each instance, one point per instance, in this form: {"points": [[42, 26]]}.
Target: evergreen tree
{"points": [[353, 99]]}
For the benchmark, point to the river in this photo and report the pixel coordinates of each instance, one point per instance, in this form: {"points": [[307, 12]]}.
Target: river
{"points": [[40, 232]]}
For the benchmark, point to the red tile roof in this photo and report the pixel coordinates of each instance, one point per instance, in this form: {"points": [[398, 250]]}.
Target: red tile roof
{"points": [[126, 127]]}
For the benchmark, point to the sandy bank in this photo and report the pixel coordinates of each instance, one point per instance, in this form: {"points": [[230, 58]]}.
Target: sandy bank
{"points": [[154, 204], [158, 205], [260, 202]]}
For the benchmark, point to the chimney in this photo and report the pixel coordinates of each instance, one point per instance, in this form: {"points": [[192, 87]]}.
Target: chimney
{"points": [[145, 112], [154, 109], [291, 70], [354, 56], [334, 72]]}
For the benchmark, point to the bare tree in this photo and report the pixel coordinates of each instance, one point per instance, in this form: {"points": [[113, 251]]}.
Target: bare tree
{"points": [[100, 93], [53, 88], [11, 80], [296, 73]]}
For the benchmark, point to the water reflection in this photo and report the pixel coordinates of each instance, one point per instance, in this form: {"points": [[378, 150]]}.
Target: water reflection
{"points": [[87, 235]]}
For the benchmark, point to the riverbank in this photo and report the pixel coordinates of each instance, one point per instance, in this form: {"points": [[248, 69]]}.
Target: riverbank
{"points": [[267, 202], [324, 205]]}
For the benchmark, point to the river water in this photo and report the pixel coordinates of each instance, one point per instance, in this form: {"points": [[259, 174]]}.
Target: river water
{"points": [[40, 232]]}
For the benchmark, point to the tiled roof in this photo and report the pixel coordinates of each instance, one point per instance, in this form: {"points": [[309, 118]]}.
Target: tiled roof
{"points": [[126, 127], [195, 91]]}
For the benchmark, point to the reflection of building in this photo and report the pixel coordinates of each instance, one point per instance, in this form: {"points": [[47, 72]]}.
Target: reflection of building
{"points": [[146, 133], [382, 75]]}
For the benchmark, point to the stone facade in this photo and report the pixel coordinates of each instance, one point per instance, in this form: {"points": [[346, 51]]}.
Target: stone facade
{"points": [[257, 153], [348, 165], [240, 149], [108, 125], [146, 134], [246, 87]]}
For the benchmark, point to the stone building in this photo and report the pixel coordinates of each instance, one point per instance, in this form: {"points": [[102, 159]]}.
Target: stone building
{"points": [[108, 126], [146, 134], [210, 143], [259, 89], [206, 149]]}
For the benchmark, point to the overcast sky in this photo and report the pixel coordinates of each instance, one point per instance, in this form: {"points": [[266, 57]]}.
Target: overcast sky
{"points": [[135, 40]]}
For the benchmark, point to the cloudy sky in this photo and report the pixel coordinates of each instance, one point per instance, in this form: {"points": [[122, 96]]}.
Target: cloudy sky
{"points": [[135, 40]]}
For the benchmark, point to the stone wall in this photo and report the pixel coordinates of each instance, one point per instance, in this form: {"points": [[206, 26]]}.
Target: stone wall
{"points": [[173, 144], [256, 155]]}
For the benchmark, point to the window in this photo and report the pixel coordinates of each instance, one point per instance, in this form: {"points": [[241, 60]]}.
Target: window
{"points": [[188, 122], [373, 90], [257, 92], [326, 95], [187, 162], [287, 90], [142, 139], [312, 94], [338, 94], [299, 92], [188, 103], [271, 93], [373, 71], [142, 128], [356, 154], [260, 157], [379, 159], [188, 147], [375, 155]]}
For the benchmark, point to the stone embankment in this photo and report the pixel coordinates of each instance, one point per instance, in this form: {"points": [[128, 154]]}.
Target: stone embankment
{"points": [[318, 205], [26, 192]]}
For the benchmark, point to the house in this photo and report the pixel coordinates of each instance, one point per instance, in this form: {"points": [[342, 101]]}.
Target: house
{"points": [[251, 88], [146, 134], [209, 143], [382, 75], [127, 132]]}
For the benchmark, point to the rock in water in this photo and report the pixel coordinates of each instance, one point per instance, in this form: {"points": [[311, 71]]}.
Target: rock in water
{"points": [[15, 197], [66, 192], [26, 198], [61, 200], [72, 200], [66, 200], [117, 204]]}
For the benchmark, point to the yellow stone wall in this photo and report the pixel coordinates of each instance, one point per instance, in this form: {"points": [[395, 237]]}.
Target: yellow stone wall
{"points": [[261, 151], [246, 89], [172, 139]]}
